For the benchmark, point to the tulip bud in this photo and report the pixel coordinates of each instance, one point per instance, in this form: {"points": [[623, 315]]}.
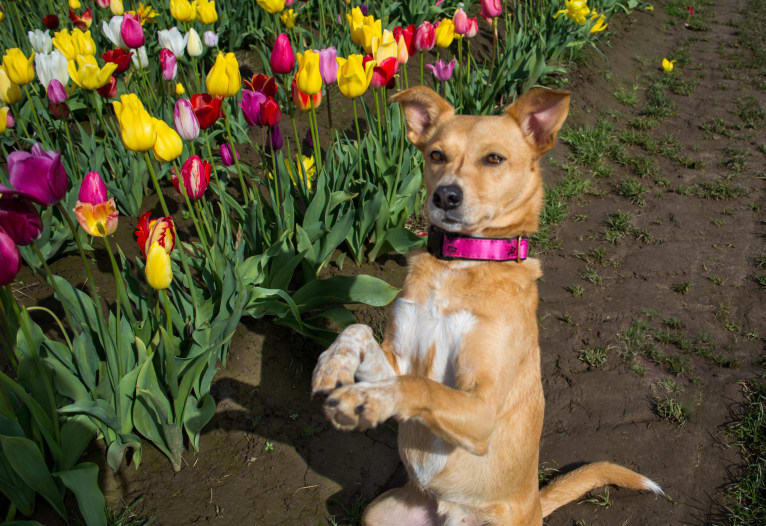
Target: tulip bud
{"points": [[185, 121], [210, 39], [159, 272], [40, 41], [328, 65], [194, 44], [116, 7], [131, 31], [109, 90], [9, 255], [473, 27], [460, 19], [20, 220], [136, 125], [9, 122], [308, 78], [491, 8], [180, 89], [282, 56], [425, 36], [92, 189], [139, 58], [168, 63], [160, 230], [51, 22], [56, 92], [20, 69], [251, 106], [224, 79], [275, 136], [195, 174], [10, 93], [103, 4], [173, 40], [168, 145], [226, 157]]}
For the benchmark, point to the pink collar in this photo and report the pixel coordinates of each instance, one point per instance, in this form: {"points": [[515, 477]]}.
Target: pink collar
{"points": [[445, 245]]}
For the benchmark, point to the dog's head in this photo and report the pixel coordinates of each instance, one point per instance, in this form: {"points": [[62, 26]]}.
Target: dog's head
{"points": [[481, 172]]}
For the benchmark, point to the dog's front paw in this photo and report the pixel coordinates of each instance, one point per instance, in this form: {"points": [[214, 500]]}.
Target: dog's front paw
{"points": [[362, 406], [338, 364]]}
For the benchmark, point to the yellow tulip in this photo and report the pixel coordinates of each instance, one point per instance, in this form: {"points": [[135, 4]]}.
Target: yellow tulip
{"points": [[575, 10], [2, 16], [183, 10], [370, 30], [87, 74], [159, 272], [3, 119], [356, 23], [20, 69], [74, 4], [288, 18], [117, 8], [136, 125], [206, 12], [77, 43], [272, 6], [98, 219], [146, 13], [180, 89], [667, 65], [385, 47], [353, 77], [600, 24], [445, 33], [10, 93], [309, 80], [169, 144], [223, 79]]}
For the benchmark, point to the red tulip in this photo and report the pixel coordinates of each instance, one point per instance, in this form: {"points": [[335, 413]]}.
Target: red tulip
{"points": [[160, 230], [109, 90], [207, 109], [383, 73], [425, 36], [51, 22], [20, 220], [263, 83], [282, 56], [409, 37], [120, 57], [196, 177], [82, 22]]}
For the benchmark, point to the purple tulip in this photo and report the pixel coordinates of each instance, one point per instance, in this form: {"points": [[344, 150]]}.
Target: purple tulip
{"points": [[225, 151], [328, 65], [56, 92], [185, 121], [9, 122], [169, 64], [275, 137], [38, 175], [364, 9], [92, 189], [251, 106], [441, 70], [10, 260], [210, 39], [131, 31], [19, 220]]}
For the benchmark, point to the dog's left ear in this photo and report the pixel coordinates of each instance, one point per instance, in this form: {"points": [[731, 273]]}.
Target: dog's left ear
{"points": [[540, 114]]}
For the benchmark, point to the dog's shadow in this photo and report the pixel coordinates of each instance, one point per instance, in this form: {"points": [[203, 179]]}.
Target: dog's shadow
{"points": [[279, 409]]}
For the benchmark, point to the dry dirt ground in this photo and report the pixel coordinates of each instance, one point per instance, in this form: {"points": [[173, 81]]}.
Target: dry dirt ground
{"points": [[651, 309]]}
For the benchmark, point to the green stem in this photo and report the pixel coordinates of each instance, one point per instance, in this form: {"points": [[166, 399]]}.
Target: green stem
{"points": [[19, 120], [200, 231], [421, 67], [170, 357], [56, 319], [202, 212], [118, 300], [358, 137], [234, 154], [40, 128], [315, 137], [329, 112]]}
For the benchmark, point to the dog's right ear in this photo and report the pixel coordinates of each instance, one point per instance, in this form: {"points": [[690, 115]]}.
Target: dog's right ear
{"points": [[423, 108]]}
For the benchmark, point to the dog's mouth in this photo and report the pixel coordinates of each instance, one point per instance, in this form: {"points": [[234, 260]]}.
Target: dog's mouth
{"points": [[451, 221]]}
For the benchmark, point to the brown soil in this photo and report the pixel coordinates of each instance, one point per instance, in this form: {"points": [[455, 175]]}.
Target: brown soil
{"points": [[270, 458]]}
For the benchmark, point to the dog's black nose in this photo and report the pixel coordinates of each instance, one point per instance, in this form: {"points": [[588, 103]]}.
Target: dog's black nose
{"points": [[448, 197]]}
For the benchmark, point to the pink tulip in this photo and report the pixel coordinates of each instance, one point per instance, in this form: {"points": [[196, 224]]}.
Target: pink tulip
{"points": [[441, 70], [103, 3], [491, 9], [225, 152], [425, 36], [169, 64], [328, 65], [37, 175], [9, 122], [196, 176], [185, 121], [131, 31], [473, 27], [282, 56], [56, 92], [460, 19], [92, 189], [95, 211]]}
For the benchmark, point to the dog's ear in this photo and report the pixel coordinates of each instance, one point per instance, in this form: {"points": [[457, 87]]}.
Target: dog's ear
{"points": [[423, 108], [540, 114]]}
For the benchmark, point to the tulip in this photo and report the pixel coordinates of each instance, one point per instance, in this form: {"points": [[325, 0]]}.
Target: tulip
{"points": [[272, 6], [308, 78], [4, 115], [113, 31], [116, 56], [58, 110], [145, 12], [37, 175], [207, 109], [9, 122], [87, 74], [356, 21], [206, 12], [445, 33], [271, 113], [74, 4], [226, 157], [20, 220], [384, 47], [194, 44], [383, 74], [139, 58], [196, 176], [408, 35], [20, 69], [473, 27], [116, 7], [251, 106], [40, 40], [51, 22], [600, 23], [575, 10], [173, 40], [425, 36], [180, 89], [131, 31], [53, 65], [168, 145], [56, 92], [82, 22], [353, 76], [441, 70], [185, 120], [370, 31], [460, 20], [10, 93], [182, 10], [223, 79], [96, 213], [10, 258], [282, 56], [491, 9], [303, 101], [309, 169], [328, 65], [210, 39], [275, 137], [264, 83], [136, 125], [168, 64], [667, 65], [150, 231], [103, 4], [159, 272], [109, 90], [288, 18]]}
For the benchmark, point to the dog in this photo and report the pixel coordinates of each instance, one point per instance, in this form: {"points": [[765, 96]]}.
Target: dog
{"points": [[459, 365]]}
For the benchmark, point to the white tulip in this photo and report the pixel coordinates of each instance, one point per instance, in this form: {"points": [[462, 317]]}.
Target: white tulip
{"points": [[173, 40], [194, 45], [40, 40], [139, 58], [49, 66], [210, 38], [112, 31]]}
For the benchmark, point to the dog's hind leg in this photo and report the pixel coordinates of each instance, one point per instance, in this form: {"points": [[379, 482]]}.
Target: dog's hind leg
{"points": [[354, 355], [405, 506]]}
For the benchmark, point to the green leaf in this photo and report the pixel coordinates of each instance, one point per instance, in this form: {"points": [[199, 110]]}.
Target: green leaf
{"points": [[26, 460], [197, 415], [82, 480], [76, 433], [345, 289], [11, 485], [98, 409]]}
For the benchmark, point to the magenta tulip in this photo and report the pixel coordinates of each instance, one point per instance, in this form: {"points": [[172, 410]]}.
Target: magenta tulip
{"points": [[169, 64], [251, 106], [441, 70], [131, 31], [37, 174], [10, 259], [282, 56], [196, 176], [56, 92], [425, 36], [275, 137], [328, 65], [225, 152], [185, 121], [491, 9], [20, 220], [92, 189]]}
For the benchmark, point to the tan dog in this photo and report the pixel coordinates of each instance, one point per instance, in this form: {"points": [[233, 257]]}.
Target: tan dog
{"points": [[459, 367]]}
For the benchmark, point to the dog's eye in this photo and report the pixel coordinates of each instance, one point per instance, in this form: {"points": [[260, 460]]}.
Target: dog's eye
{"points": [[494, 158], [437, 156]]}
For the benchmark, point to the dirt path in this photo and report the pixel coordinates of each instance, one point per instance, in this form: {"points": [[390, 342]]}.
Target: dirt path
{"points": [[650, 312]]}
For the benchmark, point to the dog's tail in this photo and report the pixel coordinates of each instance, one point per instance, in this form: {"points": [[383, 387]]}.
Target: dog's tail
{"points": [[568, 487]]}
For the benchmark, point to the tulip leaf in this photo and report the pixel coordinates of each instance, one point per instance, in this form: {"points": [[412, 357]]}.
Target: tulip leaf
{"points": [[98, 409], [345, 289], [197, 415], [27, 461], [76, 434], [82, 480]]}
